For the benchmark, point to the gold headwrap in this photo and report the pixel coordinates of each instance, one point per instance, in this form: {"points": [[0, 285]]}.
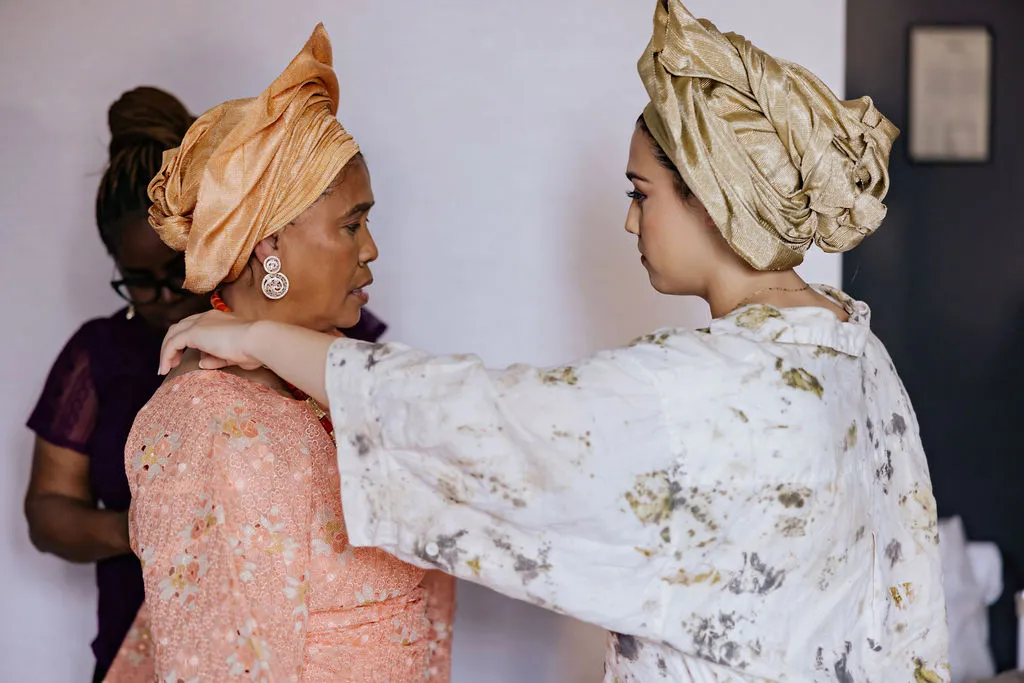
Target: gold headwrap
{"points": [[775, 157], [247, 168]]}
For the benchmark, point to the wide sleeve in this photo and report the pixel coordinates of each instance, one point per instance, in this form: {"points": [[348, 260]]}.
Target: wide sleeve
{"points": [[65, 414], [512, 479], [222, 533]]}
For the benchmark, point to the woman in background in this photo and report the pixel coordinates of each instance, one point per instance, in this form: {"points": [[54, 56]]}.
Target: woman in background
{"points": [[78, 495]]}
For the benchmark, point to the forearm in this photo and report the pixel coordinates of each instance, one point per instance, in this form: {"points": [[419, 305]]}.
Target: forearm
{"points": [[74, 530], [294, 354]]}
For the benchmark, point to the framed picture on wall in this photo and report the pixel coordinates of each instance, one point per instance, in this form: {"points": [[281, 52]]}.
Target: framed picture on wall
{"points": [[950, 99]]}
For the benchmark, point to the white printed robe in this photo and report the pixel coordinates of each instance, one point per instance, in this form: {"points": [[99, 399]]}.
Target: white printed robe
{"points": [[749, 502]]}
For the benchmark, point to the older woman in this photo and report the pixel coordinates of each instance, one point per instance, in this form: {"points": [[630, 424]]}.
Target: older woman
{"points": [[747, 502], [78, 497], [236, 513]]}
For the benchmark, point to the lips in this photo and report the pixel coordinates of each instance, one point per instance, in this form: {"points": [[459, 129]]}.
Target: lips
{"points": [[359, 292]]}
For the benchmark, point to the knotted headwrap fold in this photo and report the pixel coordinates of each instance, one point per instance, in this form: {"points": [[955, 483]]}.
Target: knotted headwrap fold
{"points": [[247, 168], [776, 158]]}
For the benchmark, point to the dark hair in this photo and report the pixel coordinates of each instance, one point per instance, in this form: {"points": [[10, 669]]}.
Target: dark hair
{"points": [[659, 154], [143, 123]]}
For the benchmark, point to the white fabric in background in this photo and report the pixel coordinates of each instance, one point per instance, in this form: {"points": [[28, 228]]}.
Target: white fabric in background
{"points": [[987, 565], [969, 587]]}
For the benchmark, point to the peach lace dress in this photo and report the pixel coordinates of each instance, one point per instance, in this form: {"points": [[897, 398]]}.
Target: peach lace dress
{"points": [[236, 515]]}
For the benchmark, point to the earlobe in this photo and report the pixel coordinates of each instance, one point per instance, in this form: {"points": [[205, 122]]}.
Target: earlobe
{"points": [[265, 247]]}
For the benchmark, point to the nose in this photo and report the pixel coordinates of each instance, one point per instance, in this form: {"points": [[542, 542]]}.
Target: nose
{"points": [[368, 249], [633, 219], [167, 296]]}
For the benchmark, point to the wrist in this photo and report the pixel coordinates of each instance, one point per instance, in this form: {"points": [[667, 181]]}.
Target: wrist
{"points": [[254, 343]]}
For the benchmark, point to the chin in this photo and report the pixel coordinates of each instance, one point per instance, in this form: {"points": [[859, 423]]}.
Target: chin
{"points": [[668, 287], [656, 283], [349, 318]]}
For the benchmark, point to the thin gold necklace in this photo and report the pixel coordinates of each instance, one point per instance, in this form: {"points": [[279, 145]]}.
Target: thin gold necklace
{"points": [[750, 298]]}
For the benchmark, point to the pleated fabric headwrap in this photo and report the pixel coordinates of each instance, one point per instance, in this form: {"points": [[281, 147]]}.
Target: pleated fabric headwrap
{"points": [[775, 157], [247, 168]]}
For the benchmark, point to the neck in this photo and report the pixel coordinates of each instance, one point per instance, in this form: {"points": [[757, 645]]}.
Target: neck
{"points": [[248, 303], [728, 290], [261, 375]]}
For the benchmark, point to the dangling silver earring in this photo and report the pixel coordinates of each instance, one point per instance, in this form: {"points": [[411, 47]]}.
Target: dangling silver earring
{"points": [[275, 284], [130, 313]]}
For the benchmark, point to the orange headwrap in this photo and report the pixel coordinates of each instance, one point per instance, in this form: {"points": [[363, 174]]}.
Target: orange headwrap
{"points": [[247, 168], [775, 157]]}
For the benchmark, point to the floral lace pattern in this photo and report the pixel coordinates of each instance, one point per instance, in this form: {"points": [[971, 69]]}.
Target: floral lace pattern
{"points": [[249, 575]]}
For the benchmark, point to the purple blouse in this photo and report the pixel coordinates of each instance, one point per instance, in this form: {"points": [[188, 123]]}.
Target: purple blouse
{"points": [[104, 375]]}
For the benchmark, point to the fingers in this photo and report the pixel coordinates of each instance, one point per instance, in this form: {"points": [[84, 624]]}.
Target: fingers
{"points": [[209, 362], [168, 362], [171, 351], [201, 330], [175, 343]]}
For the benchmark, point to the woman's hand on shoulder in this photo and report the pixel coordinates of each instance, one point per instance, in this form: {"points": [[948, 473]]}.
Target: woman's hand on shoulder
{"points": [[222, 340]]}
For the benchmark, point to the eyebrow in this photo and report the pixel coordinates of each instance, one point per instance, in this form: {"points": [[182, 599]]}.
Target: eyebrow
{"points": [[636, 176], [362, 207]]}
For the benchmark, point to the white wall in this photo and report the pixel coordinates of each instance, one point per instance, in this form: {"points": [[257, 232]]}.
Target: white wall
{"points": [[497, 136]]}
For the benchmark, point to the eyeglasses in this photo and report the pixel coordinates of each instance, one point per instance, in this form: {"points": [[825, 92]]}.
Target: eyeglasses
{"points": [[146, 289]]}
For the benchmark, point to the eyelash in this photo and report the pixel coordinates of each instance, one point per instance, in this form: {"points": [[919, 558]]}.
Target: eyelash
{"points": [[354, 228], [636, 196]]}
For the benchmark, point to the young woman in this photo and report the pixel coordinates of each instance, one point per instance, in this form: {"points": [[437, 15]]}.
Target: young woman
{"points": [[235, 508], [747, 502]]}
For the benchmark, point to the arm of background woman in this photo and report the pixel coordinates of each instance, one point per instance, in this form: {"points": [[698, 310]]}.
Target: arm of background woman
{"points": [[61, 513], [60, 506]]}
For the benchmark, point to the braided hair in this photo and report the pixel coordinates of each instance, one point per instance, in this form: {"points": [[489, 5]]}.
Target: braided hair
{"points": [[143, 123]]}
